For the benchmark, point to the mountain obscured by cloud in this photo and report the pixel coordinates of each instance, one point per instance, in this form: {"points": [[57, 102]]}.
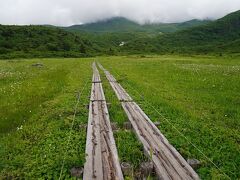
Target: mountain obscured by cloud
{"points": [[68, 12]]}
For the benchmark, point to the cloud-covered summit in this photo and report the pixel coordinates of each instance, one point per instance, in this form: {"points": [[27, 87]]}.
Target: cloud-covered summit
{"points": [[68, 12]]}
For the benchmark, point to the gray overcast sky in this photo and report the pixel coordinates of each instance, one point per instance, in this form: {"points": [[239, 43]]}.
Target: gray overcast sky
{"points": [[67, 12]]}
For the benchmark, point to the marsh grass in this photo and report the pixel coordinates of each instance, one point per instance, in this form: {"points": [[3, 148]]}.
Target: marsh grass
{"points": [[36, 118], [199, 96], [129, 148]]}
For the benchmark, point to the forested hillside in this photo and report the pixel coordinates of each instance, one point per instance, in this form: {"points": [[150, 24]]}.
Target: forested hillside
{"points": [[40, 41], [217, 37], [222, 36], [120, 24]]}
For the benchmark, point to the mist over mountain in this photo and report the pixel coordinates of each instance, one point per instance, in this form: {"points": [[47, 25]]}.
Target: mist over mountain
{"points": [[222, 35], [70, 12], [122, 36], [121, 24]]}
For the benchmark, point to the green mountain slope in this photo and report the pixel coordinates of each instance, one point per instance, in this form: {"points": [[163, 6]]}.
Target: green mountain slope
{"points": [[37, 41], [120, 24], [110, 25], [219, 36]]}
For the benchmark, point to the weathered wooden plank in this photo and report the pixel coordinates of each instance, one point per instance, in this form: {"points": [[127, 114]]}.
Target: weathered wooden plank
{"points": [[155, 144], [101, 153], [96, 77], [121, 93], [107, 73], [97, 92], [168, 163], [110, 77], [93, 165]]}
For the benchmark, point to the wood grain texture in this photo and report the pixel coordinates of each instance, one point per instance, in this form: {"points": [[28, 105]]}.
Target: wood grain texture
{"points": [[102, 160], [168, 162]]}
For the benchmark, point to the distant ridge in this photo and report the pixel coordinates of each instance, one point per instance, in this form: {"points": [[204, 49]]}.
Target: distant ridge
{"points": [[119, 36], [222, 35], [120, 24]]}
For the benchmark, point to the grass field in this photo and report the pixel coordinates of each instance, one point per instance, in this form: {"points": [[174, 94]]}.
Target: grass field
{"points": [[196, 99], [37, 107]]}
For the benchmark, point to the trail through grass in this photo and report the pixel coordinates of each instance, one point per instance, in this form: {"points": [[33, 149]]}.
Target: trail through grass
{"points": [[199, 96], [130, 150]]}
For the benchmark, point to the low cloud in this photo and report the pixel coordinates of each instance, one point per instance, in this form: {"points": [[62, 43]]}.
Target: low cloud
{"points": [[68, 12]]}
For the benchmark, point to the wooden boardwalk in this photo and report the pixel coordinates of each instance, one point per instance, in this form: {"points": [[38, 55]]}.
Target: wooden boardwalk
{"points": [[101, 153], [168, 162]]}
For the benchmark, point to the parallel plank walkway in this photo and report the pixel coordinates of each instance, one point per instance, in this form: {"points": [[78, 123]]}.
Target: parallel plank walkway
{"points": [[168, 162], [102, 158]]}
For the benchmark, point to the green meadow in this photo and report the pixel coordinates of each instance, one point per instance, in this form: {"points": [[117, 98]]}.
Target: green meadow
{"points": [[43, 127], [37, 108]]}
